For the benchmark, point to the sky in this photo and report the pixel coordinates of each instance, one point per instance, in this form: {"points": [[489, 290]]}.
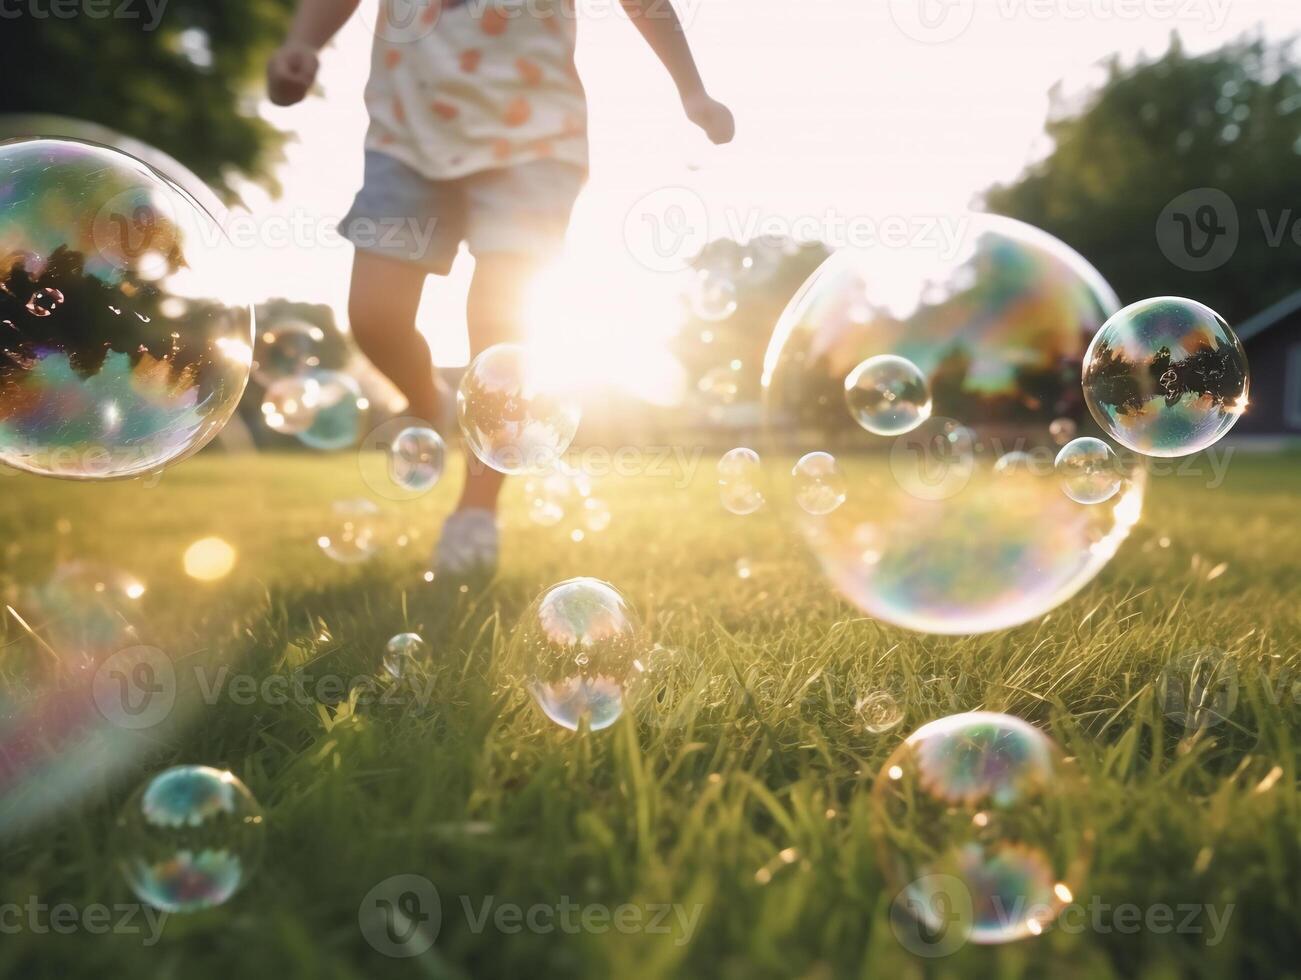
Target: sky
{"points": [[865, 110]]}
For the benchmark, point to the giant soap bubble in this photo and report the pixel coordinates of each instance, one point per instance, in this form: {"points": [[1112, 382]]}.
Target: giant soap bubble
{"points": [[124, 345], [928, 537]]}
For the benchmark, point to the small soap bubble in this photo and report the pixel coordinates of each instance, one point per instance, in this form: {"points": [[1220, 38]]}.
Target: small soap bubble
{"points": [[190, 838]]}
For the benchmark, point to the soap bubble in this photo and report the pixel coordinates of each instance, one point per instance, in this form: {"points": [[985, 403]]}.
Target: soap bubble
{"points": [[1016, 463], [819, 485], [878, 712], [578, 649], [286, 349], [887, 395], [979, 822], [549, 498], [402, 651], [1062, 430], [190, 838], [416, 458], [713, 296], [289, 404], [1089, 470], [929, 537], [560, 492], [125, 346], [515, 418], [738, 481], [1166, 377], [354, 533], [340, 411]]}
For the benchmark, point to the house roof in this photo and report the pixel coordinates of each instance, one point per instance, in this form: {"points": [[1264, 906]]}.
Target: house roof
{"points": [[1269, 316]]}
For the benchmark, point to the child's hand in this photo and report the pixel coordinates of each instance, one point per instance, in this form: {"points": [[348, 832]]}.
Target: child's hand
{"points": [[291, 72], [711, 116]]}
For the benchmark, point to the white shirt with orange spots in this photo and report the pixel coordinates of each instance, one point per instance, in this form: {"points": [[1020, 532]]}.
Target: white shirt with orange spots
{"points": [[471, 85]]}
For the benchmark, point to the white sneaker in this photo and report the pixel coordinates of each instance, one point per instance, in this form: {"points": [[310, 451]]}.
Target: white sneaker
{"points": [[468, 544]]}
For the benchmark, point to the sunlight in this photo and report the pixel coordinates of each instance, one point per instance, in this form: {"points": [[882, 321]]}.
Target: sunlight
{"points": [[596, 321]]}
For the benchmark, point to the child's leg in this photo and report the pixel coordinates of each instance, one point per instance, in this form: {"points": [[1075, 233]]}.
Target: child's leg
{"points": [[495, 316], [382, 304]]}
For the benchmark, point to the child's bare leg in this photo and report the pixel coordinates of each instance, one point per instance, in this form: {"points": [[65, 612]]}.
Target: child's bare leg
{"points": [[495, 316], [382, 304]]}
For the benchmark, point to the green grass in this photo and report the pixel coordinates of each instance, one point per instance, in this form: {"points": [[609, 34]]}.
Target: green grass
{"points": [[745, 793]]}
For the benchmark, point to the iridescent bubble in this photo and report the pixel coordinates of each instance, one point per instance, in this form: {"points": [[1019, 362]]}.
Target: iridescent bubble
{"points": [[983, 807], [340, 411], [738, 481], [887, 395], [713, 296], [289, 404], [127, 346], [415, 459], [878, 712], [818, 483], [1062, 430], [1166, 377], [286, 349], [1089, 470], [1016, 463], [932, 538], [514, 417], [190, 838], [86, 610], [353, 535], [402, 651], [578, 649]]}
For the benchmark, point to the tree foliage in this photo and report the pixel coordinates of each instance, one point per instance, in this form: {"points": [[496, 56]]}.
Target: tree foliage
{"points": [[181, 75], [1229, 120]]}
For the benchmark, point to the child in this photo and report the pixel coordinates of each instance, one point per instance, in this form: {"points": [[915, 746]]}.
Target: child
{"points": [[477, 128]]}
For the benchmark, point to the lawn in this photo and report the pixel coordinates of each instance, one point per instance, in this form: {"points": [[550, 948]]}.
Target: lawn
{"points": [[731, 813]]}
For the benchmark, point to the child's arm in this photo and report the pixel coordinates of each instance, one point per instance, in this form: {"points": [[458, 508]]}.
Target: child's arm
{"points": [[659, 25], [292, 69]]}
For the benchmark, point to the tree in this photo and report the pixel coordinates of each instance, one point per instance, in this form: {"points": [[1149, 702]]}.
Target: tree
{"points": [[1177, 125], [176, 74]]}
